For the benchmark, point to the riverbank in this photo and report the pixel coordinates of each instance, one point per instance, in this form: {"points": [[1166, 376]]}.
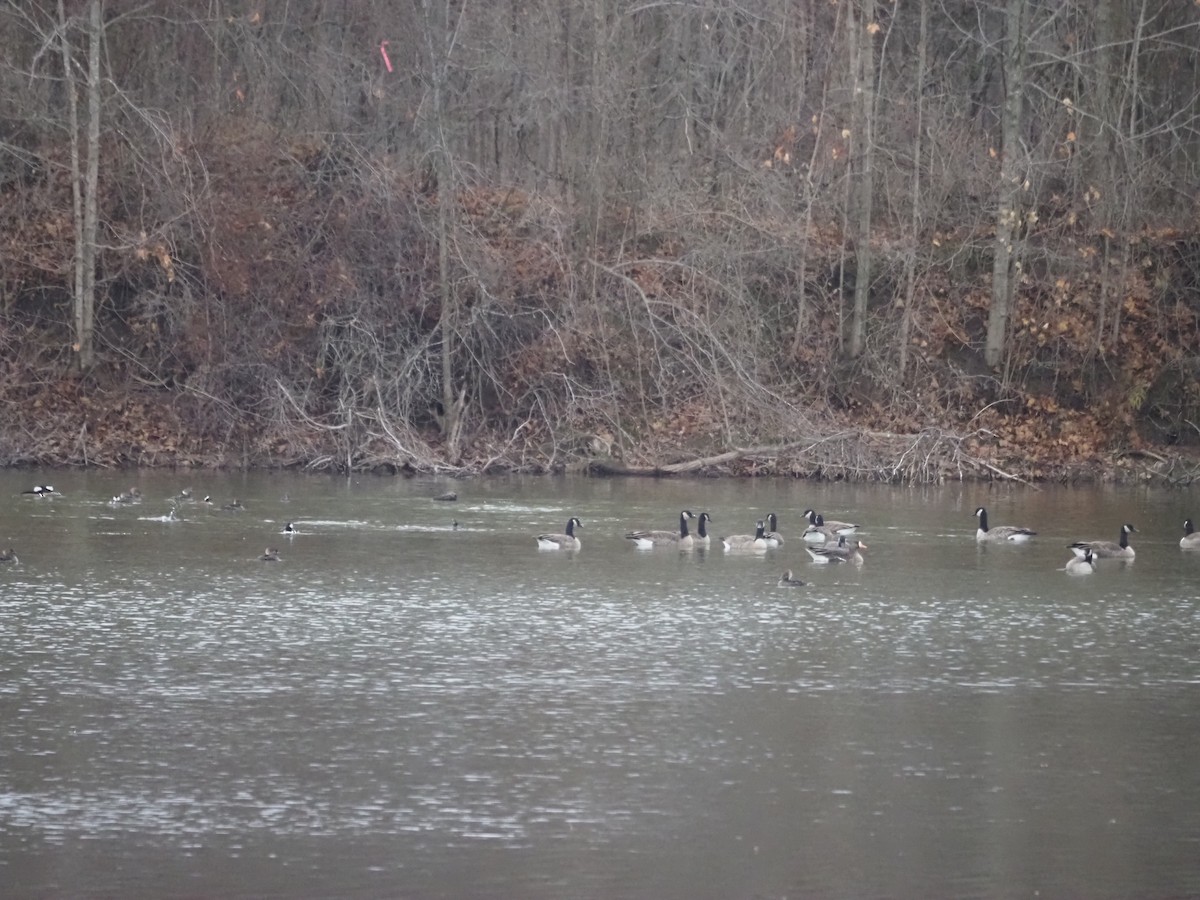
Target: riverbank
{"points": [[73, 422]]}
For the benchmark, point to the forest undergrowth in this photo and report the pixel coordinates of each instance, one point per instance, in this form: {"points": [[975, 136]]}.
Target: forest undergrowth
{"points": [[293, 319]]}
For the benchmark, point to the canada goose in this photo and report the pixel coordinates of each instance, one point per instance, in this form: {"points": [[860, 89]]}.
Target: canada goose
{"points": [[1107, 549], [8, 556], [1080, 565], [1013, 533], [786, 580], [566, 541], [839, 552], [774, 538], [746, 542], [820, 531], [817, 534], [1191, 537], [271, 554], [40, 490], [681, 540], [702, 538]]}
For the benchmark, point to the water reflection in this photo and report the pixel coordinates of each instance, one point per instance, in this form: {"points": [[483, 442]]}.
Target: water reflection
{"points": [[399, 707]]}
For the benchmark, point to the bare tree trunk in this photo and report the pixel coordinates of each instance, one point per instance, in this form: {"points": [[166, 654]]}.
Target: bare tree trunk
{"points": [[591, 171], [863, 60], [86, 304], [84, 203], [910, 263], [809, 199], [440, 35], [1011, 184]]}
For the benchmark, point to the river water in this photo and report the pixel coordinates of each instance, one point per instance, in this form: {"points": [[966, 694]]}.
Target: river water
{"points": [[405, 708]]}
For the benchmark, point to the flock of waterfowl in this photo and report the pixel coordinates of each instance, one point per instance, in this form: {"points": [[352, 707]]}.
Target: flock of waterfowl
{"points": [[825, 540], [132, 497]]}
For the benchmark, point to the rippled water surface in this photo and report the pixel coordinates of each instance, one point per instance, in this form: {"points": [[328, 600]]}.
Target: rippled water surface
{"points": [[404, 708]]}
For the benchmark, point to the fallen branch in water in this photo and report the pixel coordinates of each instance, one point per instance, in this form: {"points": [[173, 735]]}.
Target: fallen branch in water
{"points": [[928, 456]]}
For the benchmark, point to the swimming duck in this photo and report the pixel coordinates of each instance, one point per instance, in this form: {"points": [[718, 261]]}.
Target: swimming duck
{"points": [[271, 554], [786, 580], [839, 552], [40, 490], [1107, 549], [1191, 537], [127, 498], [746, 542], [773, 537], [289, 529], [997, 533], [1080, 565], [9, 556], [648, 540], [566, 541], [233, 506]]}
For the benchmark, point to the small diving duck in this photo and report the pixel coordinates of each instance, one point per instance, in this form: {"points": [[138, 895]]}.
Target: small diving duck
{"points": [[9, 557], [41, 490], [788, 580], [271, 554], [126, 498]]}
